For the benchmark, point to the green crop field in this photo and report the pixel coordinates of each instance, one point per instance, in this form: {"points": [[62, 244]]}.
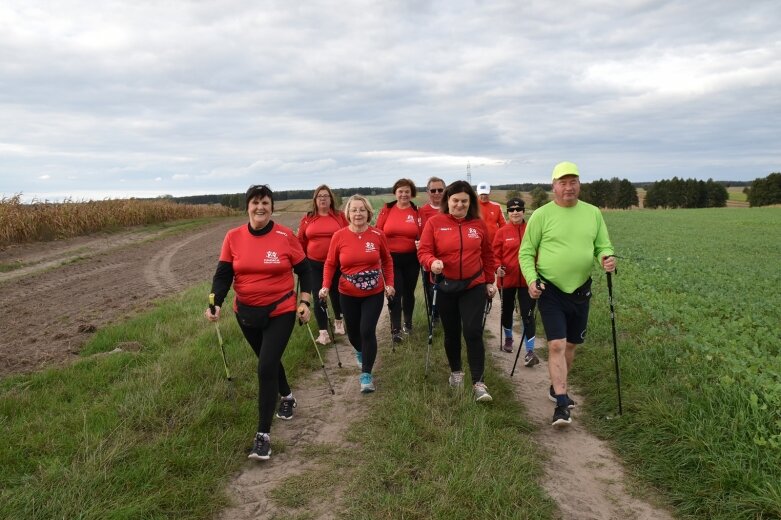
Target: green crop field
{"points": [[697, 304]]}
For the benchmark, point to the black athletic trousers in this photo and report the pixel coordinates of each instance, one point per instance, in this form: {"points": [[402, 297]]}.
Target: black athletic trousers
{"points": [[464, 309], [317, 277], [525, 303], [361, 314], [406, 271], [269, 344]]}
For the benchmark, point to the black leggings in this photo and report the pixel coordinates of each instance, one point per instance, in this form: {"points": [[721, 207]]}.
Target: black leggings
{"points": [[527, 305], [361, 314], [269, 344], [406, 270], [465, 309], [317, 280]]}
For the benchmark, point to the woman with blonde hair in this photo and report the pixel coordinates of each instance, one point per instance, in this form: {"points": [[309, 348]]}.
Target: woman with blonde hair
{"points": [[361, 253]]}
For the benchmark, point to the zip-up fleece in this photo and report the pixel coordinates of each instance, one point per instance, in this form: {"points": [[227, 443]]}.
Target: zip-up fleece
{"points": [[507, 242], [462, 246]]}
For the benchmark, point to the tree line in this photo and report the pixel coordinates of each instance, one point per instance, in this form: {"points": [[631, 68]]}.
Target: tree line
{"points": [[764, 191], [686, 193]]}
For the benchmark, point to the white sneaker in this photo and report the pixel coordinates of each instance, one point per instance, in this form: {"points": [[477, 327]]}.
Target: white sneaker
{"points": [[323, 338], [481, 392], [339, 327], [456, 379]]}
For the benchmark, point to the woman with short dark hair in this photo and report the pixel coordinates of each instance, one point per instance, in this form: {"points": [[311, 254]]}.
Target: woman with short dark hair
{"points": [[259, 259], [455, 248]]}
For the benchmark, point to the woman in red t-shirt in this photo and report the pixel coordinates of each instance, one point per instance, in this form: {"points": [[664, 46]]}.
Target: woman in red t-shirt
{"points": [[455, 248], [259, 260], [361, 252], [314, 232], [400, 222]]}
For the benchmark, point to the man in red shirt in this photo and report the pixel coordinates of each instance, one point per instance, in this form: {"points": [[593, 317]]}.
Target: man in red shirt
{"points": [[490, 212]]}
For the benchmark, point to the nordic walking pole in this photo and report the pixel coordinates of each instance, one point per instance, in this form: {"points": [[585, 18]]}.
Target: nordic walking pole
{"points": [[330, 322], [435, 288], [425, 295], [322, 363], [523, 338], [487, 310], [213, 310], [501, 308], [615, 342]]}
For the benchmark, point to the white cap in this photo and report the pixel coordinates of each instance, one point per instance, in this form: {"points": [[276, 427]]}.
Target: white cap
{"points": [[483, 188]]}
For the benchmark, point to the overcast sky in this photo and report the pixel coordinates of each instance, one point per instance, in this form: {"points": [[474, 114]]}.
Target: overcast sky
{"points": [[145, 98]]}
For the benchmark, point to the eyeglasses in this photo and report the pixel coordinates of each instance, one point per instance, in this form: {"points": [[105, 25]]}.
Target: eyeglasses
{"points": [[436, 190], [514, 210]]}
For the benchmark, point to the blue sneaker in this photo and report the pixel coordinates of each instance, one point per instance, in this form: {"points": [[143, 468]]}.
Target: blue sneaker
{"points": [[367, 384], [359, 358]]}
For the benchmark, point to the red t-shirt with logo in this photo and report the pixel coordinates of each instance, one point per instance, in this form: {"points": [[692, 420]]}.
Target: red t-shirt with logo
{"points": [[357, 255], [315, 232], [462, 246], [263, 266], [400, 226], [426, 212], [507, 242], [492, 215]]}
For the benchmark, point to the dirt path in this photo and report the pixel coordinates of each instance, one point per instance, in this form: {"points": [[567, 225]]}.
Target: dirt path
{"points": [[70, 288], [583, 475]]}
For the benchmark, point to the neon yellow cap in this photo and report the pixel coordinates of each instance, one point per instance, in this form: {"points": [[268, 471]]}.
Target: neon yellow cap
{"points": [[565, 168]]}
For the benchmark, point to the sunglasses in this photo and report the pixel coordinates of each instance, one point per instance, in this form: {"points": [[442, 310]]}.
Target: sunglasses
{"points": [[514, 210], [436, 190]]}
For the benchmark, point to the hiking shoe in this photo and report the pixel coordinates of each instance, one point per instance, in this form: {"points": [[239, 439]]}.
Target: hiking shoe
{"points": [[530, 359], [561, 418], [408, 328], [397, 336], [481, 392], [367, 383], [552, 397], [339, 327], [508, 345], [456, 379], [359, 358], [323, 338], [261, 448], [285, 411]]}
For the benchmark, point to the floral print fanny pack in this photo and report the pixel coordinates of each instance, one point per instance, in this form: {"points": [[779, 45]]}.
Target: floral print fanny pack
{"points": [[365, 280]]}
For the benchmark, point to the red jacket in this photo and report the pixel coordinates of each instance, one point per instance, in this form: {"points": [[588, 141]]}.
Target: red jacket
{"points": [[462, 246], [400, 226], [263, 266], [315, 232], [492, 215], [507, 242], [355, 254], [426, 212]]}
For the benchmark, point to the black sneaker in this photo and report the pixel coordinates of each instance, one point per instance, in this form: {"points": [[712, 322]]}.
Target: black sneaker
{"points": [[408, 328], [286, 406], [397, 336], [261, 448], [552, 397], [561, 418]]}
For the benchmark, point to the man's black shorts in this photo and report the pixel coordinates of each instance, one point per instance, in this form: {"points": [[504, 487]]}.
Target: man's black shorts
{"points": [[563, 315]]}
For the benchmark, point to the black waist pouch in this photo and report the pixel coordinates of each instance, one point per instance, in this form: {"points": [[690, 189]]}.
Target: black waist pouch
{"points": [[257, 317], [451, 286], [580, 295]]}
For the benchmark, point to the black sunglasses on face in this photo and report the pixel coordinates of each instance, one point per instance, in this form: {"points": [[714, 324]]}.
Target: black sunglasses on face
{"points": [[513, 210], [436, 190]]}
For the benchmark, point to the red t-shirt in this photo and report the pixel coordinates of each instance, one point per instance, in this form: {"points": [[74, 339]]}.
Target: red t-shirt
{"points": [[400, 226], [315, 232], [492, 215], [507, 242], [462, 246], [263, 266], [425, 212], [357, 255]]}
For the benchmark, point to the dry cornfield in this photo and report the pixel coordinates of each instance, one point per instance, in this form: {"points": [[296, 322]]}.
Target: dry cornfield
{"points": [[47, 221]]}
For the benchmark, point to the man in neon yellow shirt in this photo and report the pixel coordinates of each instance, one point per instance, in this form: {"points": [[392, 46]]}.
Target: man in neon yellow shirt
{"points": [[557, 253]]}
